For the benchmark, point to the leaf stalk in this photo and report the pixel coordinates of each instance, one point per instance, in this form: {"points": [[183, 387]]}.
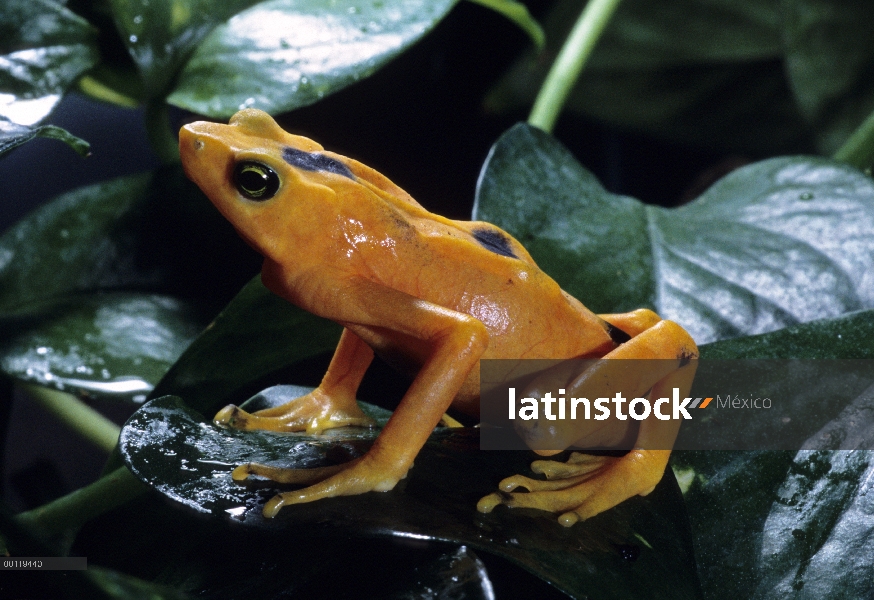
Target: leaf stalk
{"points": [[78, 507], [858, 150], [570, 61], [75, 414]]}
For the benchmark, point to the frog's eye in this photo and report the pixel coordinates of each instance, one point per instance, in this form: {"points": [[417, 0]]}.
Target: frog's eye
{"points": [[255, 181]]}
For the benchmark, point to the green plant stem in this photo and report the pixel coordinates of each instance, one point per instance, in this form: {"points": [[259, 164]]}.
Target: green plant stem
{"points": [[78, 507], [570, 61], [78, 416], [162, 138], [859, 149]]}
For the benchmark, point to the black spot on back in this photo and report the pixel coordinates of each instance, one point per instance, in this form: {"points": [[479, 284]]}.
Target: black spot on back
{"points": [[494, 241], [617, 335], [311, 161]]}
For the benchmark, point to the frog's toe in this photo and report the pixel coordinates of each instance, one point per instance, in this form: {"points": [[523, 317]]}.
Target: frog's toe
{"points": [[236, 418], [285, 475], [538, 485], [586, 494], [231, 416], [577, 464]]}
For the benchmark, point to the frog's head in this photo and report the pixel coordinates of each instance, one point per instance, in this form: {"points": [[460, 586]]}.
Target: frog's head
{"points": [[271, 185]]}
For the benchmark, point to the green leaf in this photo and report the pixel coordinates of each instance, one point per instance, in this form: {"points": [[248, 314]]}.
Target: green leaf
{"points": [[160, 35], [255, 337], [273, 566], [779, 524], [12, 136], [284, 54], [750, 76], [44, 48], [773, 244], [102, 288], [152, 232], [518, 13], [829, 62], [175, 450], [110, 345]]}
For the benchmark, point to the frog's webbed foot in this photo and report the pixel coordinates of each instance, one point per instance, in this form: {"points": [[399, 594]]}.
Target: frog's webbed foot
{"points": [[583, 486], [364, 474], [313, 413]]}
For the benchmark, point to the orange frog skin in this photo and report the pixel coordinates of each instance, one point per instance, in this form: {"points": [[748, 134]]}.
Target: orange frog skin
{"points": [[432, 296]]}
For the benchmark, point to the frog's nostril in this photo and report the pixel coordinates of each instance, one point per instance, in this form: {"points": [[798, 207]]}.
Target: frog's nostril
{"points": [[198, 144]]}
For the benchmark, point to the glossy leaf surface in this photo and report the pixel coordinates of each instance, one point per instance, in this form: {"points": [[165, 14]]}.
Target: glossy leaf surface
{"points": [[44, 47], [772, 244], [106, 285], [115, 345], [12, 136], [161, 34], [283, 54], [781, 524], [638, 548]]}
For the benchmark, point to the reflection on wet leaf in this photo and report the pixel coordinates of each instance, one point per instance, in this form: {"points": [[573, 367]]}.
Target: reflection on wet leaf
{"points": [[112, 345], [189, 460], [283, 54]]}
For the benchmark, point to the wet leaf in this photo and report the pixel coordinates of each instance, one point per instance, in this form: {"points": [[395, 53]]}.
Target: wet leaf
{"points": [[154, 232], [780, 524], [12, 136], [255, 336], [111, 345], [160, 35], [773, 244], [44, 48], [284, 54], [111, 282], [637, 549]]}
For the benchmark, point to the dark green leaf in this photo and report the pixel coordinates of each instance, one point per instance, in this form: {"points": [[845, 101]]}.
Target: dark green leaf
{"points": [[772, 244], [830, 63], [751, 76], [115, 345], [12, 136], [849, 336], [256, 335], [283, 54], [109, 283], [272, 565], [154, 232], [161, 34], [780, 524], [189, 460], [44, 48], [124, 587]]}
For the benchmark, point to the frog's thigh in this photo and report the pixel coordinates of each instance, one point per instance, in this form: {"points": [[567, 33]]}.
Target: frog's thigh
{"points": [[633, 323], [330, 405], [582, 488]]}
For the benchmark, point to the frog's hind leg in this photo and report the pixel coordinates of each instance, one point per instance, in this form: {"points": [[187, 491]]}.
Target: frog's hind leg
{"points": [[330, 405], [585, 486]]}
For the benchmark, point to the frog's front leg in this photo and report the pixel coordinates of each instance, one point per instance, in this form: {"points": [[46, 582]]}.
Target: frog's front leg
{"points": [[447, 343], [330, 405], [585, 485]]}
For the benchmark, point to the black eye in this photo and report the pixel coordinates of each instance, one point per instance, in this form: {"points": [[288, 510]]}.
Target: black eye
{"points": [[255, 180]]}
